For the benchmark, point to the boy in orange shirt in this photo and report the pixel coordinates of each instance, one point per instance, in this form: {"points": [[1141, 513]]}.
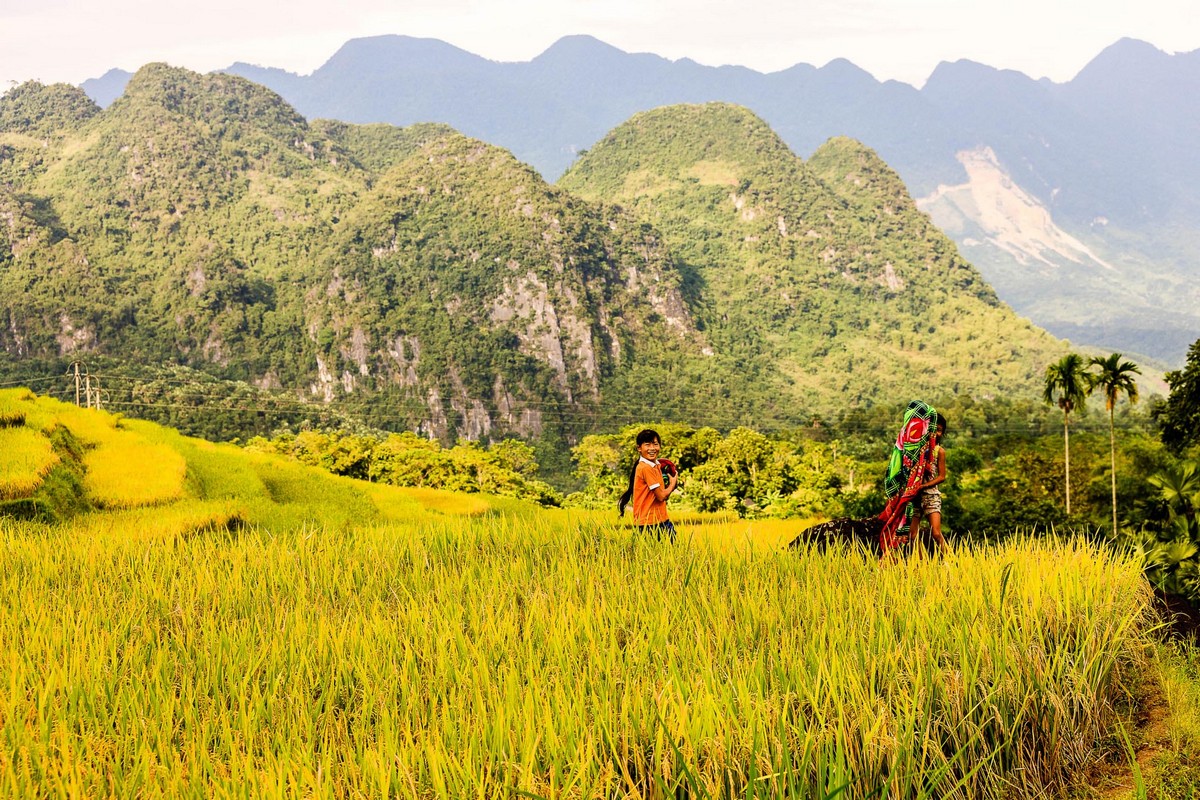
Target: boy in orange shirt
{"points": [[649, 488]]}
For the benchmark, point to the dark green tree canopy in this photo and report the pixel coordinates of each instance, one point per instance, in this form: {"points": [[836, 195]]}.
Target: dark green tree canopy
{"points": [[1180, 415], [36, 109]]}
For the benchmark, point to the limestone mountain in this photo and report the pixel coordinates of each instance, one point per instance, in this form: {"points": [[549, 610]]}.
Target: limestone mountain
{"points": [[691, 267], [1077, 200], [824, 269], [431, 282], [38, 110], [530, 306]]}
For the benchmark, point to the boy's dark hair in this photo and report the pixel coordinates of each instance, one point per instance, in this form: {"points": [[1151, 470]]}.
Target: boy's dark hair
{"points": [[941, 422], [645, 436]]}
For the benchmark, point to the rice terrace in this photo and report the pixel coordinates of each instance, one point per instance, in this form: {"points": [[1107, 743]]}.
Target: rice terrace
{"points": [[224, 622]]}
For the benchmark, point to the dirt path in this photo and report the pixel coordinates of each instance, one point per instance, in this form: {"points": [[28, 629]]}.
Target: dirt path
{"points": [[1152, 724]]}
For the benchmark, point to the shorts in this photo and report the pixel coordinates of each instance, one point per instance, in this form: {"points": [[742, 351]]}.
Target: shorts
{"points": [[931, 501], [658, 529]]}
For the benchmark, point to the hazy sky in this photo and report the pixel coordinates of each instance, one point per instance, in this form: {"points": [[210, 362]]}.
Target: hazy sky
{"points": [[72, 40]]}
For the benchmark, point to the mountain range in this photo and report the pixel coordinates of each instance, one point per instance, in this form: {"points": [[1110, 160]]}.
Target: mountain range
{"points": [[1078, 201], [689, 267]]}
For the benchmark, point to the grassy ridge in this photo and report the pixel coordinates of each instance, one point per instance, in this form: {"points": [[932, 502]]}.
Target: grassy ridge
{"points": [[127, 464]]}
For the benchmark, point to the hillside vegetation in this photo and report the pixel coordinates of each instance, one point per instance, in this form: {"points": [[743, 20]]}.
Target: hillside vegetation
{"points": [[426, 281], [200, 221]]}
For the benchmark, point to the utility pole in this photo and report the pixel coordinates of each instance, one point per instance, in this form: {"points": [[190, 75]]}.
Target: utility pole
{"points": [[96, 395], [75, 365], [88, 387]]}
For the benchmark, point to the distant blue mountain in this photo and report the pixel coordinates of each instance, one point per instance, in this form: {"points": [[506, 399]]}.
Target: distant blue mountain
{"points": [[1110, 158], [108, 87]]}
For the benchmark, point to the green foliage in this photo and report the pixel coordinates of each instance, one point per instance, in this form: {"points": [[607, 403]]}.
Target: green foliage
{"points": [[1021, 491], [1067, 383], [515, 456], [754, 476], [35, 109], [1180, 415], [1113, 376], [744, 472], [506, 468], [1171, 550]]}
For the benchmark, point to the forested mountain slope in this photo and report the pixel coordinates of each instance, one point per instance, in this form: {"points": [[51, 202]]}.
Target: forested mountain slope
{"points": [[824, 269]]}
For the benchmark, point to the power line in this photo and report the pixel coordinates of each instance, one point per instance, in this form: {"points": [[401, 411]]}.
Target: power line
{"points": [[27, 383], [449, 395], [564, 408]]}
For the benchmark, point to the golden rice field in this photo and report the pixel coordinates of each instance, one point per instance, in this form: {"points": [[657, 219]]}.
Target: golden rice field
{"points": [[551, 655], [125, 468], [278, 632]]}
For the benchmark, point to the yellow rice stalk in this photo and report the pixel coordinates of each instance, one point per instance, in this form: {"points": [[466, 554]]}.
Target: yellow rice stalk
{"points": [[26, 457], [12, 407], [453, 504], [90, 426], [393, 502], [127, 471]]}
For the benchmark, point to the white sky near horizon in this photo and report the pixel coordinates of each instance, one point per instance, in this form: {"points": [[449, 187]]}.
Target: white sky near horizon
{"points": [[73, 40]]}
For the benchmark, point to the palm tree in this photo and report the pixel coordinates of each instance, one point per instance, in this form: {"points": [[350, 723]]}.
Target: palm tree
{"points": [[1114, 377], [1067, 386]]}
